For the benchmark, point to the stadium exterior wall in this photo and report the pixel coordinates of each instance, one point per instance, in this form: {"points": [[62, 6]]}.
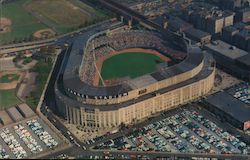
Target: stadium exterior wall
{"points": [[151, 88], [138, 111]]}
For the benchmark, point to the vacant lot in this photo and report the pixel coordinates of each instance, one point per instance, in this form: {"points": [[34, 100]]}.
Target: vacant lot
{"points": [[23, 24], [8, 98], [61, 15], [132, 64]]}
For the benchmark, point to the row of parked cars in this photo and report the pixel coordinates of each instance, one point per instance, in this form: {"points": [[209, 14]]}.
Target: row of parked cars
{"points": [[187, 131], [178, 127], [139, 142], [176, 143], [175, 140], [3, 153], [43, 135], [234, 141], [157, 140], [27, 138], [242, 92], [204, 139], [12, 143]]}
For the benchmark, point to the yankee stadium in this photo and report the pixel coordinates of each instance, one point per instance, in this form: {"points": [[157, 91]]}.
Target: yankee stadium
{"points": [[99, 88]]}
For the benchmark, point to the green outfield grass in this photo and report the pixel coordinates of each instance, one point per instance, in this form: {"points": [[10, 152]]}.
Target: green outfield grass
{"points": [[29, 16], [9, 78], [23, 23], [131, 64], [8, 98], [62, 15]]}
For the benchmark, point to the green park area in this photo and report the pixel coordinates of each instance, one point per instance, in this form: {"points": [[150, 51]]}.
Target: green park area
{"points": [[43, 68], [8, 98]]}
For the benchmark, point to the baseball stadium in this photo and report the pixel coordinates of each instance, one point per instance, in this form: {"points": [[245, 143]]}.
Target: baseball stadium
{"points": [[115, 75]]}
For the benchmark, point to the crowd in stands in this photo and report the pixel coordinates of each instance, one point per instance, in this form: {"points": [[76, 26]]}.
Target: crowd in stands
{"points": [[102, 46]]}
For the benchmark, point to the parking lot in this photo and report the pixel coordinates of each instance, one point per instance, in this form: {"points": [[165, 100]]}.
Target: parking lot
{"points": [[241, 92], [26, 139], [184, 131]]}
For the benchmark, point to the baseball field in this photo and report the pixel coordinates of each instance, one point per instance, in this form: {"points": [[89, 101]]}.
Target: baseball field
{"points": [[21, 19], [62, 15], [23, 24], [132, 64]]}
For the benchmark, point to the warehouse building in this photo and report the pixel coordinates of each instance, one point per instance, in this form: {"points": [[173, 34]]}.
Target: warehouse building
{"points": [[15, 114], [229, 109], [198, 35], [230, 58]]}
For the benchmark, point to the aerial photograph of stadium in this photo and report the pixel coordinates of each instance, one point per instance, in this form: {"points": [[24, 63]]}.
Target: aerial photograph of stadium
{"points": [[125, 79]]}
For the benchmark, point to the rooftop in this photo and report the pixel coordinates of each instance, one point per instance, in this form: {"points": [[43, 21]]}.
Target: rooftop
{"points": [[5, 118], [207, 10], [14, 114], [230, 105], [245, 33], [225, 49], [245, 60], [196, 33], [25, 110], [178, 24]]}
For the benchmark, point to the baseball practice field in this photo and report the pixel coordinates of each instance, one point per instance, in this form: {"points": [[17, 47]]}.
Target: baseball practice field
{"points": [[22, 19], [22, 25]]}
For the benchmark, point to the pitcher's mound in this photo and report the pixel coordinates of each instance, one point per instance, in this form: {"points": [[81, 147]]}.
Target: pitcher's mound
{"points": [[44, 33]]}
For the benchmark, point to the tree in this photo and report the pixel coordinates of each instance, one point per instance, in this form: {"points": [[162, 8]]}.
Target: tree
{"points": [[51, 49], [44, 50], [122, 126]]}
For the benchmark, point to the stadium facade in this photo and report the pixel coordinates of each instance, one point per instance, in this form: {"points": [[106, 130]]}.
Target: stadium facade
{"points": [[82, 103]]}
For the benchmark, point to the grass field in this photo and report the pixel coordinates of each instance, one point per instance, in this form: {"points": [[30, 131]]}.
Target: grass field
{"points": [[43, 69], [131, 64], [9, 78], [62, 15], [23, 23], [8, 98]]}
